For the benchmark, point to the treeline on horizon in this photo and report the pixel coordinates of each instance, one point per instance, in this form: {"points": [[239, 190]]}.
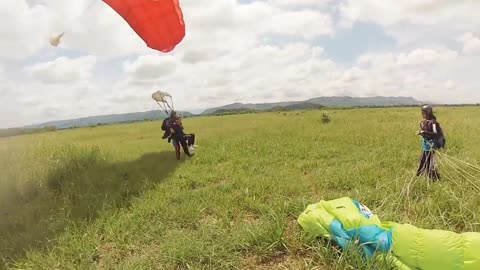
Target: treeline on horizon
{"points": [[222, 112], [10, 132]]}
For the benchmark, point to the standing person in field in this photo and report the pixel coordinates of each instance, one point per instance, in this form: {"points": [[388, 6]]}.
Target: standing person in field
{"points": [[432, 139], [180, 138]]}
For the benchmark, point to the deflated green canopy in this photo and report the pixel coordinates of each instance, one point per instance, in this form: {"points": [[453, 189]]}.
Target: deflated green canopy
{"points": [[344, 220]]}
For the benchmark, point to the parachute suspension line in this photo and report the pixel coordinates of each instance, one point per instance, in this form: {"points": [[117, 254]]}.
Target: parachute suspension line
{"points": [[464, 169], [454, 164], [462, 199], [448, 174], [163, 108], [471, 166], [468, 176], [404, 196], [460, 179], [402, 190], [463, 173], [171, 108], [393, 201]]}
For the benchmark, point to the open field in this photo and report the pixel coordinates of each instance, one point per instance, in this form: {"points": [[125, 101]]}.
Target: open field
{"points": [[114, 197]]}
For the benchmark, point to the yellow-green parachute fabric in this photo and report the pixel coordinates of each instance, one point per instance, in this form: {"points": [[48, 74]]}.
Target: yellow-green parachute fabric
{"points": [[346, 221]]}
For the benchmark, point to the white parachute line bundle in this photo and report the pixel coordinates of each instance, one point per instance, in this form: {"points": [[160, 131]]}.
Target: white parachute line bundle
{"points": [[457, 188], [459, 184]]}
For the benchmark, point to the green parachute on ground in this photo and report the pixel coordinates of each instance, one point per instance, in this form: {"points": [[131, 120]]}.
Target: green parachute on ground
{"points": [[346, 221]]}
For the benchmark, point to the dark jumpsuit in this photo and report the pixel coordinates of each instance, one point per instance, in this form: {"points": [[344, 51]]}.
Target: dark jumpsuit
{"points": [[179, 137], [427, 158], [166, 128]]}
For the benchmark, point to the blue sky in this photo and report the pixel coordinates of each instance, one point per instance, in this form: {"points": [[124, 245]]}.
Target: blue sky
{"points": [[234, 51], [348, 44]]}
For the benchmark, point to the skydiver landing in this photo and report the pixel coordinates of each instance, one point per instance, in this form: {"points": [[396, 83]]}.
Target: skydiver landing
{"points": [[432, 139], [189, 137], [180, 138]]}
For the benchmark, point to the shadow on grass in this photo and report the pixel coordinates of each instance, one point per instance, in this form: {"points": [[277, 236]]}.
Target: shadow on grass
{"points": [[81, 186]]}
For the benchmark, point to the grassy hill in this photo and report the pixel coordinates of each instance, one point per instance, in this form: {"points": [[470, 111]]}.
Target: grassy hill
{"points": [[321, 101], [114, 197]]}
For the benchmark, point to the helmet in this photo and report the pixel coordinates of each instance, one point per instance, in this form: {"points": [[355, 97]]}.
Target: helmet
{"points": [[427, 109]]}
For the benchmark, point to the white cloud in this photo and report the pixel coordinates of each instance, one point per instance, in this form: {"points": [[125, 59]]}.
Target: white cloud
{"points": [[262, 74], [310, 24], [35, 102], [58, 89], [27, 25], [12, 111], [471, 43], [64, 70], [292, 4], [415, 22], [301, 71], [260, 51], [430, 74], [149, 68], [194, 56], [6, 86], [418, 58], [23, 28], [457, 14], [97, 29], [231, 27]]}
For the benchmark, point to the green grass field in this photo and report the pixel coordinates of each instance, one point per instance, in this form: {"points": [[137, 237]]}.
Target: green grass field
{"points": [[114, 197]]}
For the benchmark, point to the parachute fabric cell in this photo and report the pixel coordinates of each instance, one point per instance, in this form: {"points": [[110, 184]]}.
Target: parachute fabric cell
{"points": [[158, 22], [410, 248], [160, 96]]}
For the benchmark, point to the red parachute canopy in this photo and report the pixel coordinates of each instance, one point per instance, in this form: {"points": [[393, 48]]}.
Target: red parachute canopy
{"points": [[158, 22]]}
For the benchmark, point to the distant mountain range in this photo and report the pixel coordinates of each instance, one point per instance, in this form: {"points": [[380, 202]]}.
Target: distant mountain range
{"points": [[106, 119], [232, 108], [317, 102]]}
